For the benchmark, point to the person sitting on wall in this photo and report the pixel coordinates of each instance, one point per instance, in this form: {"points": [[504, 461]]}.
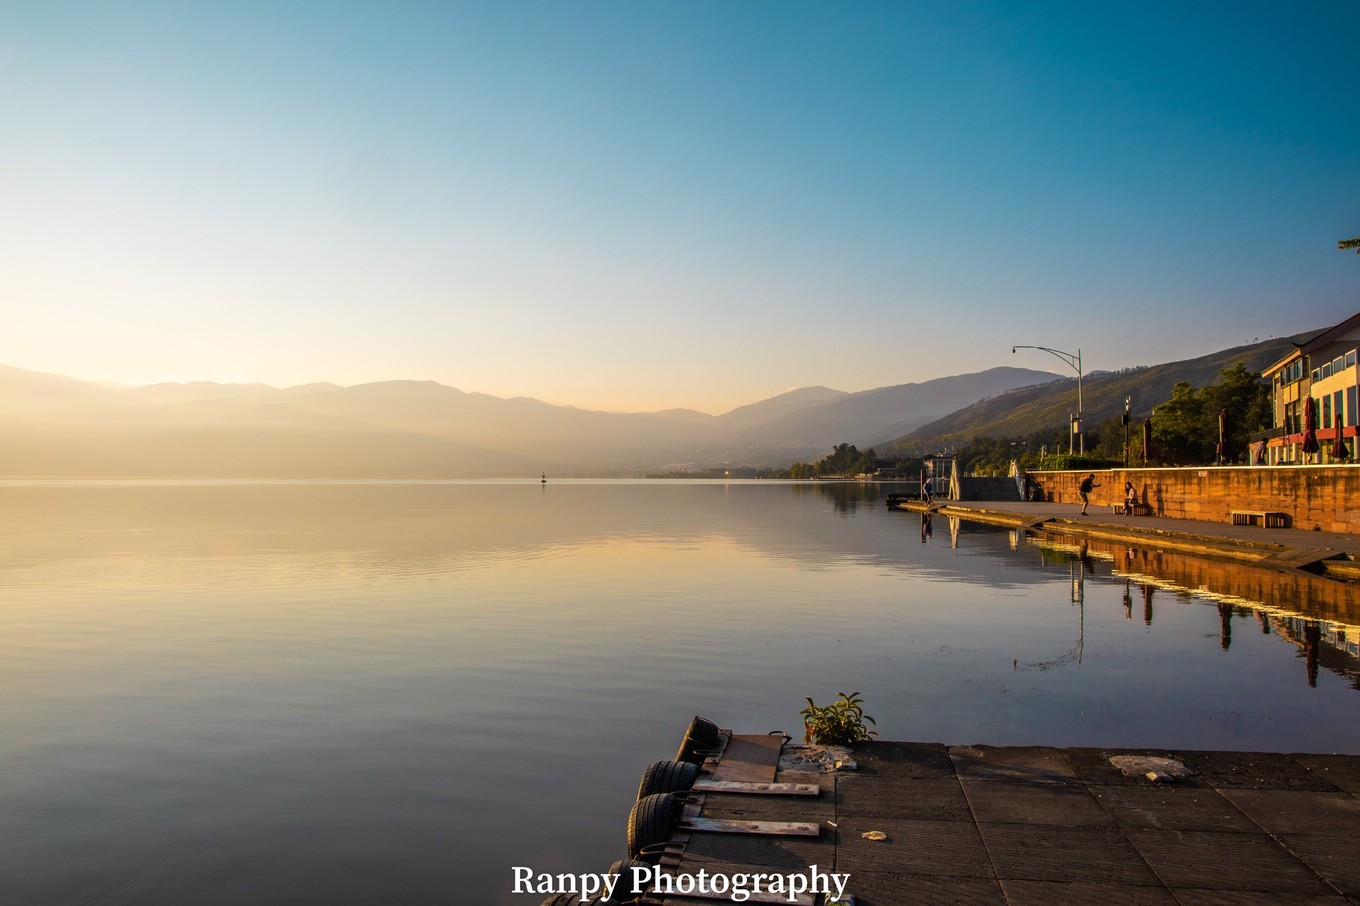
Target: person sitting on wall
{"points": [[1130, 497]]}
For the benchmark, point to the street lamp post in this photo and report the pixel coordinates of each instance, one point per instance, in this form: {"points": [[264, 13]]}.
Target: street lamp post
{"points": [[1128, 401], [1073, 362]]}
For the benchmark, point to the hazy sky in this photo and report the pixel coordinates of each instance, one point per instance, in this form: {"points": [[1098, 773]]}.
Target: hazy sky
{"points": [[664, 204]]}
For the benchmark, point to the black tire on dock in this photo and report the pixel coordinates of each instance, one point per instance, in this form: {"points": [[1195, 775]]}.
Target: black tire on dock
{"points": [[626, 890], [691, 752], [704, 731], [651, 821], [668, 777], [700, 735]]}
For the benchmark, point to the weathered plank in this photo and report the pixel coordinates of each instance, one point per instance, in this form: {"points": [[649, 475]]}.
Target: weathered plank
{"points": [[757, 789], [749, 759]]}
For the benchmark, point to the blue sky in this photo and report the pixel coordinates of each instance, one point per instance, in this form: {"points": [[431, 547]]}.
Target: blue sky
{"points": [[653, 205]]}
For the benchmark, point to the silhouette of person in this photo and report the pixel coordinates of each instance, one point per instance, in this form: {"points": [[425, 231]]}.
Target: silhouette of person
{"points": [[1088, 484]]}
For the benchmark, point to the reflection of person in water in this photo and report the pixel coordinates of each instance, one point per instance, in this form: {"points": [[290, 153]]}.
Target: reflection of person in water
{"points": [[927, 529], [1312, 638], [1084, 555], [1224, 625], [1128, 599], [1147, 605]]}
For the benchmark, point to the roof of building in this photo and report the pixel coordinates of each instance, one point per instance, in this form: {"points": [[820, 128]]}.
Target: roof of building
{"points": [[1332, 333], [1311, 342]]}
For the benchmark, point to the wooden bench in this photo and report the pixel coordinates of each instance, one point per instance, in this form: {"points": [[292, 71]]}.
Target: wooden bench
{"points": [[1265, 518], [1139, 509]]}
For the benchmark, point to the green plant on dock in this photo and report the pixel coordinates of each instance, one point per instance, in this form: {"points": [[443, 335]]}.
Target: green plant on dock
{"points": [[837, 724]]}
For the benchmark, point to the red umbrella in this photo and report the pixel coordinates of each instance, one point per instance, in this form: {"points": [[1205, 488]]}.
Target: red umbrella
{"points": [[1310, 441], [1339, 451], [1147, 439]]}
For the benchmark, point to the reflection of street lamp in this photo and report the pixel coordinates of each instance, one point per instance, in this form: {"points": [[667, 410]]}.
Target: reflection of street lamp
{"points": [[1073, 362]]}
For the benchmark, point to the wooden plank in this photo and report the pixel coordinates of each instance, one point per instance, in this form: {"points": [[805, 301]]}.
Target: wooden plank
{"points": [[749, 759], [1299, 557], [757, 789], [767, 828]]}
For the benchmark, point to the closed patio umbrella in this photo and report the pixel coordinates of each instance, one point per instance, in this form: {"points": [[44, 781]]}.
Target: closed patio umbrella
{"points": [[1339, 451], [1310, 441], [1222, 426]]}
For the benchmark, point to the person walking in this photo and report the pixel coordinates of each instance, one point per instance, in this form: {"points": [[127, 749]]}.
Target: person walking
{"points": [[1088, 484], [926, 488]]}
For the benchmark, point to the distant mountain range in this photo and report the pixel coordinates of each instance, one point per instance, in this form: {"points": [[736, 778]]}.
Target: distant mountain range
{"points": [[56, 426]]}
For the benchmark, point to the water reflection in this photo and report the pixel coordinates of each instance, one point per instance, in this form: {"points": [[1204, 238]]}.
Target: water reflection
{"points": [[323, 682], [1311, 635]]}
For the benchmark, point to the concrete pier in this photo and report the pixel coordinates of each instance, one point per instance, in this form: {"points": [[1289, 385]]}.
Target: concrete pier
{"points": [[1330, 554], [924, 823]]}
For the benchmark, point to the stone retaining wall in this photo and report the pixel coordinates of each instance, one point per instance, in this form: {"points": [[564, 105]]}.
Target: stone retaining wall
{"points": [[1314, 497]]}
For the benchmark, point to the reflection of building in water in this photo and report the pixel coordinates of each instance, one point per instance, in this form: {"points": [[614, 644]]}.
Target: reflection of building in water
{"points": [[1334, 648], [1331, 645]]}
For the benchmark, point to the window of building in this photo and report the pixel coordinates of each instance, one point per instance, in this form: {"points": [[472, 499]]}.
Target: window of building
{"points": [[1326, 371], [1351, 412], [1338, 363], [1350, 359], [1327, 411], [1315, 375]]}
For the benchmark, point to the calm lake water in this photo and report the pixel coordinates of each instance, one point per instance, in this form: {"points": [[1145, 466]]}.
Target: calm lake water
{"points": [[394, 692]]}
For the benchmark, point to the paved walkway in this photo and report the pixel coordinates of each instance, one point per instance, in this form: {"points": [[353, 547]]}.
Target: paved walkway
{"points": [[1334, 555], [1028, 825], [1224, 531]]}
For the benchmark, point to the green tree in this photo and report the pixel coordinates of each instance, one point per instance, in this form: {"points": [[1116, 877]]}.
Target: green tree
{"points": [[1350, 244], [846, 459], [1109, 440], [1185, 428], [1179, 430]]}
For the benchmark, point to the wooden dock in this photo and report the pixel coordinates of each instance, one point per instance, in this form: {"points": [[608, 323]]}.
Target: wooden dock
{"points": [[919, 823]]}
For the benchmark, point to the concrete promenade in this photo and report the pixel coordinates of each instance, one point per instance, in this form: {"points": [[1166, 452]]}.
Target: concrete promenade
{"points": [[924, 823], [1331, 554]]}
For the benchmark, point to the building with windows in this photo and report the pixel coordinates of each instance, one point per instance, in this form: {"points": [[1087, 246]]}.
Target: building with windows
{"points": [[1324, 369]]}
